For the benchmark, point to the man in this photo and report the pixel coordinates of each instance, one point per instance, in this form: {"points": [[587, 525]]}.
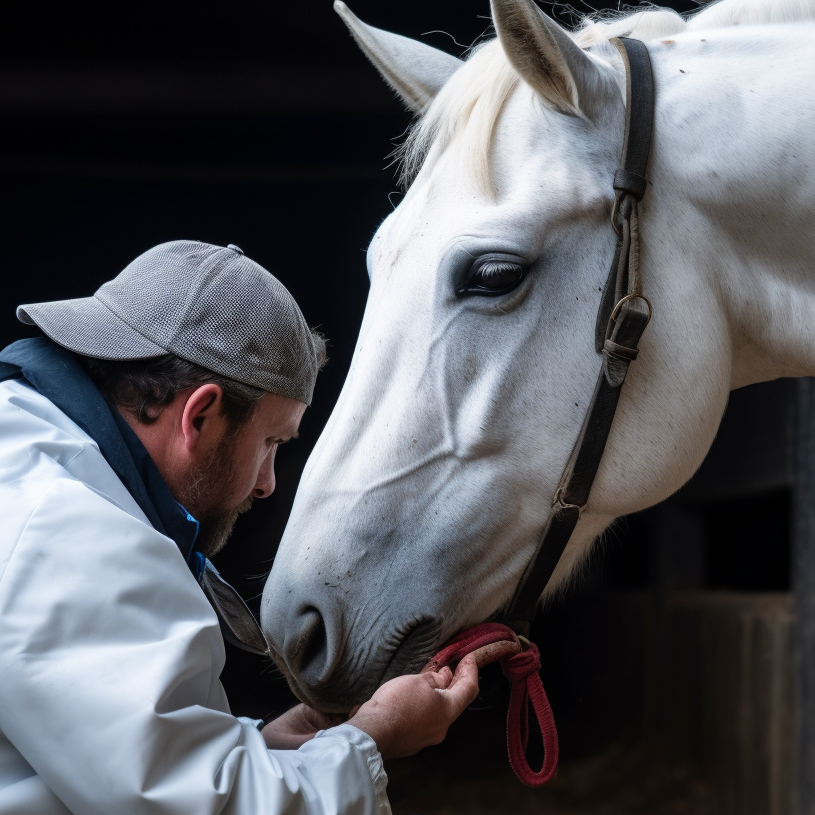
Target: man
{"points": [[131, 436]]}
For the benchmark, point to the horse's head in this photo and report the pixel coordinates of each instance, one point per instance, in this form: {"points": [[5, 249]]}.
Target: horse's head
{"points": [[427, 492]]}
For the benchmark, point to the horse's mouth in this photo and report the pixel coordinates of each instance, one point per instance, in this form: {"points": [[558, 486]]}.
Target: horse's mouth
{"points": [[414, 650], [411, 653]]}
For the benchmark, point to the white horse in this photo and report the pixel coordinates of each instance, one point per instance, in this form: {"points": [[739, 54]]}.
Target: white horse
{"points": [[423, 501]]}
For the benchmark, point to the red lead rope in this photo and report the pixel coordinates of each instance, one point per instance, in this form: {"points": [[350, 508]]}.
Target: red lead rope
{"points": [[521, 664]]}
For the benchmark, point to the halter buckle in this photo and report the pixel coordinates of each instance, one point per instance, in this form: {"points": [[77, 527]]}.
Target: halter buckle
{"points": [[635, 296]]}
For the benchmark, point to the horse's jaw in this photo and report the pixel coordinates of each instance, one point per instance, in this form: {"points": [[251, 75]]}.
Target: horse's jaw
{"points": [[364, 590]]}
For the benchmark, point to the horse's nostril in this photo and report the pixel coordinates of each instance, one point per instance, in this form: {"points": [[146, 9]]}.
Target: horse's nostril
{"points": [[333, 667], [309, 657]]}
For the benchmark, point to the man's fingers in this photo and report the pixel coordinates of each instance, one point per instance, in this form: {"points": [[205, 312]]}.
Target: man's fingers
{"points": [[464, 687], [446, 676], [439, 679], [414, 711], [466, 671], [467, 667]]}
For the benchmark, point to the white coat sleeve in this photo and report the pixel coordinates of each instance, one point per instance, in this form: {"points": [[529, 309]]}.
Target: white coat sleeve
{"points": [[110, 658]]}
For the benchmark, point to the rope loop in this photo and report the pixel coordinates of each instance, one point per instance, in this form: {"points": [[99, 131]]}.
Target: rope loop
{"points": [[521, 667]]}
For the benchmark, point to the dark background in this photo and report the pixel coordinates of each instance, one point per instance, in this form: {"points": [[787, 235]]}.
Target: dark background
{"points": [[261, 124]]}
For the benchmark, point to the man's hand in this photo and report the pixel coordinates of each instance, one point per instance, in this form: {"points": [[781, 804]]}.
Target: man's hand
{"points": [[403, 716], [297, 726], [412, 712]]}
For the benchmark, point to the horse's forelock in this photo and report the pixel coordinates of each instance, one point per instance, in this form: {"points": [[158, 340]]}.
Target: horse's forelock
{"points": [[468, 106]]}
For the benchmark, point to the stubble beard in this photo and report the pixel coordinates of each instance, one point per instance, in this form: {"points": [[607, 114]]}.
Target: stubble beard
{"points": [[202, 498]]}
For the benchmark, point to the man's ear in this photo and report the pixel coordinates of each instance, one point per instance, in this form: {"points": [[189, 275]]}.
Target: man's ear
{"points": [[202, 416]]}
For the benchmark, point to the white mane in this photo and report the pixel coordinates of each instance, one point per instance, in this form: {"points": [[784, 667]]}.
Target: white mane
{"points": [[654, 23], [470, 104]]}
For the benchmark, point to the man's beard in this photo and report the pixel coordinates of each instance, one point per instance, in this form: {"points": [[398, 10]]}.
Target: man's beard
{"points": [[201, 498]]}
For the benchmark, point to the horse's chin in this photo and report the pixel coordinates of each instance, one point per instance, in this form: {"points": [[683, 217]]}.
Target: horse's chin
{"points": [[313, 697]]}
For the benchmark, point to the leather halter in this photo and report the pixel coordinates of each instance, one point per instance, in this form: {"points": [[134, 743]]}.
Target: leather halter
{"points": [[622, 317]]}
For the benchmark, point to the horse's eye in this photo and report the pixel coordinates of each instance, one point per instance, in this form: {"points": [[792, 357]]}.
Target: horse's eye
{"points": [[491, 277]]}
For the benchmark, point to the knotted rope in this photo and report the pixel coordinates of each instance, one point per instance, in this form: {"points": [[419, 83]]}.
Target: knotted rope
{"points": [[520, 661]]}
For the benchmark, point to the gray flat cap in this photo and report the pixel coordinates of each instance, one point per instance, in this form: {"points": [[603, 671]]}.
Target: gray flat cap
{"points": [[209, 305]]}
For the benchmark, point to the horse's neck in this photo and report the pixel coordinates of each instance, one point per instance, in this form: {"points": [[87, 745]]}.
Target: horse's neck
{"points": [[733, 173]]}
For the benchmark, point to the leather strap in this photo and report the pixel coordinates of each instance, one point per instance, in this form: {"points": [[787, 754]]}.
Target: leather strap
{"points": [[622, 317], [639, 121], [629, 180]]}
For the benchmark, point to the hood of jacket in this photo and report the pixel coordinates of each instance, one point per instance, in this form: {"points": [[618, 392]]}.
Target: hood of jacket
{"points": [[57, 375]]}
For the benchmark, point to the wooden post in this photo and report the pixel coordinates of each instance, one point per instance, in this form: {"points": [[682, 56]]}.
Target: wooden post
{"points": [[803, 581]]}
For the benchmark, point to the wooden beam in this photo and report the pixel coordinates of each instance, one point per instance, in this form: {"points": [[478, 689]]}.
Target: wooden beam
{"points": [[803, 581]]}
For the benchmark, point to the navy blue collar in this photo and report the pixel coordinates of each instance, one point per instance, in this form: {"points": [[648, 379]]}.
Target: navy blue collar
{"points": [[56, 374]]}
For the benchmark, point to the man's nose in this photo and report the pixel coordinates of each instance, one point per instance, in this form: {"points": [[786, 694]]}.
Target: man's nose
{"points": [[265, 484]]}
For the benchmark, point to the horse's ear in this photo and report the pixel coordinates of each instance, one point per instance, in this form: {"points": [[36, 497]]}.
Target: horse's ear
{"points": [[546, 57], [417, 72]]}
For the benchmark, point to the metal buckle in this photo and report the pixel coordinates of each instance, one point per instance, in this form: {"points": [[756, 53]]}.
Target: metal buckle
{"points": [[616, 311]]}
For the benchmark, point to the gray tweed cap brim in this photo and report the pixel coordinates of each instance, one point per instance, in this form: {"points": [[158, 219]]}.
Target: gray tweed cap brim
{"points": [[210, 305], [66, 322]]}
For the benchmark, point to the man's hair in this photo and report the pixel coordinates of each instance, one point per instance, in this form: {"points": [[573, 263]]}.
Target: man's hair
{"points": [[144, 386]]}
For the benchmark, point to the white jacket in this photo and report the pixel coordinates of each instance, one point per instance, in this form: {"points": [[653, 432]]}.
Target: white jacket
{"points": [[110, 655]]}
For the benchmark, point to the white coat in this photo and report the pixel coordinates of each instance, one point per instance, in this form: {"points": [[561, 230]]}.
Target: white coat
{"points": [[110, 655]]}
